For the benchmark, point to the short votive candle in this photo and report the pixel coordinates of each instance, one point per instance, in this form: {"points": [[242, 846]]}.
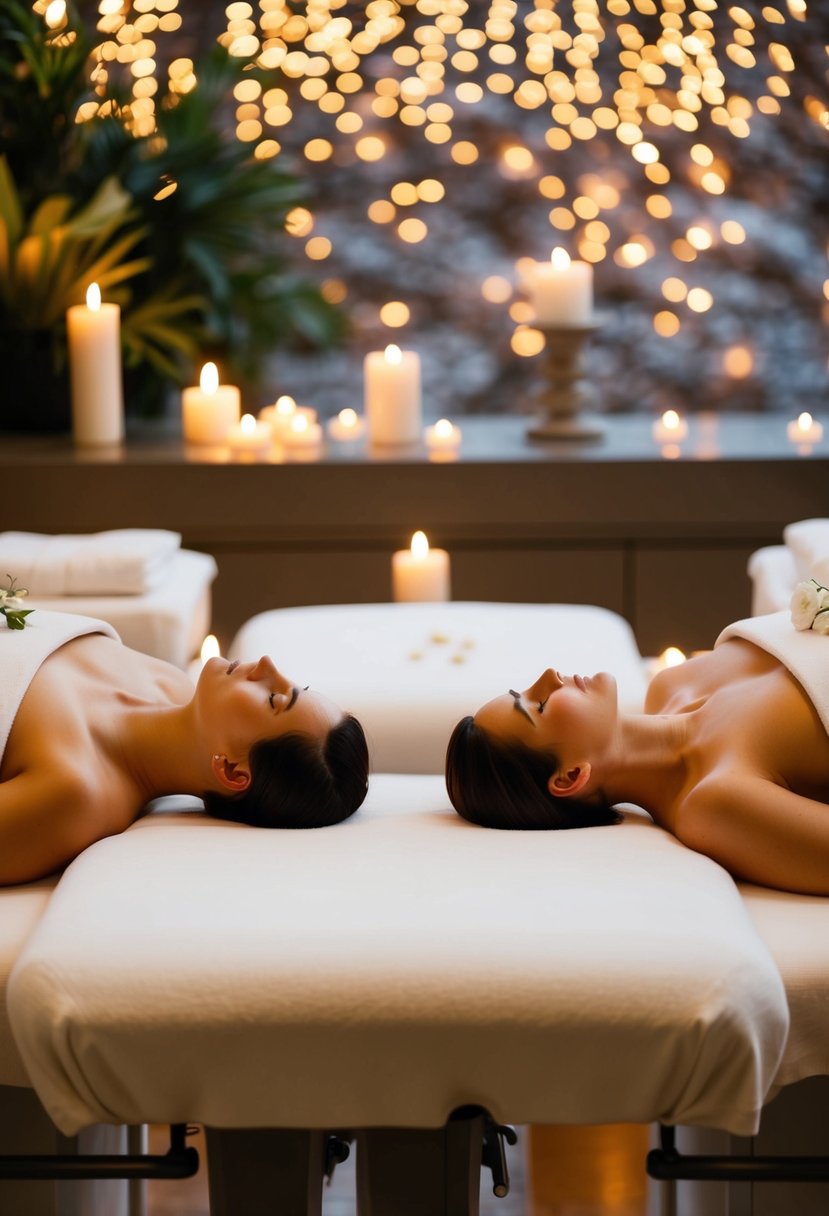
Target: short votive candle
{"points": [[805, 430], [347, 427], [420, 573], [444, 438], [249, 438], [209, 410], [670, 428]]}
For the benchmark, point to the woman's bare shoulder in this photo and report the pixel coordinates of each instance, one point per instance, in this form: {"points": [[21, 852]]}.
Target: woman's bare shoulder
{"points": [[46, 819]]}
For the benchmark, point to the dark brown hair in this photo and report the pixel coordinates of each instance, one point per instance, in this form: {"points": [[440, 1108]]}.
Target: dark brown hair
{"points": [[298, 781], [498, 785]]}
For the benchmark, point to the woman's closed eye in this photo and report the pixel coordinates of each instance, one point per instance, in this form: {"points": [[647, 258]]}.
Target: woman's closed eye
{"points": [[541, 705]]}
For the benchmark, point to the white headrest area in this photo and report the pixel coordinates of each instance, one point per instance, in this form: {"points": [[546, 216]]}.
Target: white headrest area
{"points": [[411, 671]]}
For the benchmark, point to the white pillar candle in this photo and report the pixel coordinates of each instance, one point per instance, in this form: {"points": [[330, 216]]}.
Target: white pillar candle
{"points": [[442, 439], [670, 428], [420, 573], [209, 410], [302, 436], [248, 439], [347, 427], [804, 429], [94, 337], [392, 395], [561, 291]]}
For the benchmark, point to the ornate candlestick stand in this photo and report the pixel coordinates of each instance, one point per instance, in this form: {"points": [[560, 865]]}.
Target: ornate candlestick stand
{"points": [[562, 396]]}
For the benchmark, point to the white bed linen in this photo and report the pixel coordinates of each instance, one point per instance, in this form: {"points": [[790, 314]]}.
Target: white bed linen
{"points": [[170, 621], [20, 910], [411, 671], [392, 968]]}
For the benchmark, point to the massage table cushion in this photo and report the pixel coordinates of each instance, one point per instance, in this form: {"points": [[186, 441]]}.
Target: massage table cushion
{"points": [[410, 671], [390, 969]]}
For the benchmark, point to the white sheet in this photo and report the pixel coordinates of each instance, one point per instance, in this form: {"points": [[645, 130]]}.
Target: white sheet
{"points": [[123, 561], [390, 969], [411, 671]]}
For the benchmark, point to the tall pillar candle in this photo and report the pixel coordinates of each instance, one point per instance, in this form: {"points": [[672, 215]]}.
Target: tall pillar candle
{"points": [[209, 410], [94, 336], [392, 395], [419, 573], [561, 291]]}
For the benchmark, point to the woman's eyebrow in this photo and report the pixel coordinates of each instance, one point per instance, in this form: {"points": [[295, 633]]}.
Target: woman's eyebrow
{"points": [[292, 702], [522, 709]]}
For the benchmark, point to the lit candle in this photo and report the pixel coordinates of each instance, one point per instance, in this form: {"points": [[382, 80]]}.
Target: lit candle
{"points": [[420, 573], [94, 336], [248, 438], [281, 414], [392, 395], [671, 656], [561, 291], [443, 439], [805, 430], [302, 436], [209, 410], [670, 428], [209, 650], [346, 427]]}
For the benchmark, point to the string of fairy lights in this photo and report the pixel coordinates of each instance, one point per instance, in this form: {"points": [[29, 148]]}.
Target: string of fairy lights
{"points": [[425, 65]]}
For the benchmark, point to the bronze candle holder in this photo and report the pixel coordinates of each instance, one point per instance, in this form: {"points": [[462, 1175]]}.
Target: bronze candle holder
{"points": [[562, 395]]}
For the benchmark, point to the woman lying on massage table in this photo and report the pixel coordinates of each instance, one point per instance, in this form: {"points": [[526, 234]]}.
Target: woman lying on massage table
{"points": [[102, 729], [730, 755]]}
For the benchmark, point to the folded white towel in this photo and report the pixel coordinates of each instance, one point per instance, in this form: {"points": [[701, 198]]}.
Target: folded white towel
{"points": [[124, 561], [808, 542]]}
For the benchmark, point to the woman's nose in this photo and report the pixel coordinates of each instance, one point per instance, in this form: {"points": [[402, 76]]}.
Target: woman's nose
{"points": [[265, 669], [546, 683]]}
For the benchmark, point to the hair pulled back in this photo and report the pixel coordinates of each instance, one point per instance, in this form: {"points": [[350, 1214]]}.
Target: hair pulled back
{"points": [[298, 781], [498, 785]]}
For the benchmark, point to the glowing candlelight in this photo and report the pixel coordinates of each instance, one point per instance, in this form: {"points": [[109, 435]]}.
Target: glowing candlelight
{"points": [[94, 337], [209, 410], [561, 290], [249, 438], [443, 439], [670, 428], [805, 430], [392, 395], [420, 573], [347, 426], [302, 435]]}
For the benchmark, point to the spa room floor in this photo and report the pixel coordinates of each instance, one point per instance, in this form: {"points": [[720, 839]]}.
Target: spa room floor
{"points": [[553, 1172]]}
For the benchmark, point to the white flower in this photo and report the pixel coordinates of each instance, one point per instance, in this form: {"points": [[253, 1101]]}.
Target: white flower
{"points": [[804, 605], [12, 602], [821, 623]]}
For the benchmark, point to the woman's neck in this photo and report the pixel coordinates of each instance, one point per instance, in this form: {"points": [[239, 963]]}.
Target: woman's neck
{"points": [[154, 748], [649, 763]]}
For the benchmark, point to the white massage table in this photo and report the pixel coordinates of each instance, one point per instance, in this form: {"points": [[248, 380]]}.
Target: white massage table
{"points": [[384, 973]]}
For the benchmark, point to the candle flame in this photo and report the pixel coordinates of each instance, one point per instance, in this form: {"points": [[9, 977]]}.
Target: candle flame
{"points": [[420, 546], [348, 418], [804, 422], [443, 429], [671, 657], [209, 379], [248, 424], [393, 354], [209, 647], [285, 405], [299, 424], [55, 14], [560, 258], [670, 420], [93, 297]]}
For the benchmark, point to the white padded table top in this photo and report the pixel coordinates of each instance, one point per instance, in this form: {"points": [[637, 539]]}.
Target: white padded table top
{"points": [[20, 910], [411, 671], [392, 968], [170, 621]]}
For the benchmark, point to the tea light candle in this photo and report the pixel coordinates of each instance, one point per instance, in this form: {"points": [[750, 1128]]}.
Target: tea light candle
{"points": [[249, 438], [561, 291], [281, 414], [302, 435], [392, 395], [670, 428], [94, 337], [346, 427], [804, 430], [209, 650], [420, 573], [209, 410], [443, 439]]}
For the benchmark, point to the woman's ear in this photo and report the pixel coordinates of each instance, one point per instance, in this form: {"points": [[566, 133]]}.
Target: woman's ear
{"points": [[564, 783], [232, 776]]}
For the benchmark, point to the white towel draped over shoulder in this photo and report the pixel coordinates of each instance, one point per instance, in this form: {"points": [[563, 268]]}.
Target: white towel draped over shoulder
{"points": [[125, 561], [808, 542]]}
